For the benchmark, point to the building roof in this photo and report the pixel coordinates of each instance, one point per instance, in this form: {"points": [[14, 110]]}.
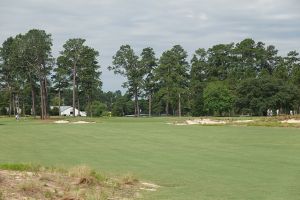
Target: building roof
{"points": [[63, 108]]}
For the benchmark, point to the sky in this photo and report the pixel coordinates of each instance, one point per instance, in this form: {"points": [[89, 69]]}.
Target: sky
{"points": [[160, 24]]}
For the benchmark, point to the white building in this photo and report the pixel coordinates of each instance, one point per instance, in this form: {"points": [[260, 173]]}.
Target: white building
{"points": [[68, 111]]}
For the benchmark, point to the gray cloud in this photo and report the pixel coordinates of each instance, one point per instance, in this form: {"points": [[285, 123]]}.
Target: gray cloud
{"points": [[107, 24]]}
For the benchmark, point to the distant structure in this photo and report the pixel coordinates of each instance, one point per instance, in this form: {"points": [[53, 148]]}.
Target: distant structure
{"points": [[68, 111]]}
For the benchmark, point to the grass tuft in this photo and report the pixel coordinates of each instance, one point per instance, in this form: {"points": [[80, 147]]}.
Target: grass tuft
{"points": [[86, 175], [128, 179], [1, 196], [31, 187], [20, 167], [1, 179]]}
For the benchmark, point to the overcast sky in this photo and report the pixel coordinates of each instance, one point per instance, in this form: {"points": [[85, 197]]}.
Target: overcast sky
{"points": [[160, 24]]}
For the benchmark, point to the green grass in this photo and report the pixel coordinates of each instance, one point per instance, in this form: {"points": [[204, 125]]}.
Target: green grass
{"points": [[19, 167], [189, 162]]}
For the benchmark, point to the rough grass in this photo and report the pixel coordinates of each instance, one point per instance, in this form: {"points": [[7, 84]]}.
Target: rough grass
{"points": [[230, 162], [77, 183], [20, 167]]}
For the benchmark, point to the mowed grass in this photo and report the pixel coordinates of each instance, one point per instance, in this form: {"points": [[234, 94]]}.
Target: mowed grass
{"points": [[189, 162]]}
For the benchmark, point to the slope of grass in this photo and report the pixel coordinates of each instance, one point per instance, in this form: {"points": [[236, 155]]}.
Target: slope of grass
{"points": [[189, 162], [77, 183]]}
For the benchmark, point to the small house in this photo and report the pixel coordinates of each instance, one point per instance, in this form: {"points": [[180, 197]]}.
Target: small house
{"points": [[68, 111]]}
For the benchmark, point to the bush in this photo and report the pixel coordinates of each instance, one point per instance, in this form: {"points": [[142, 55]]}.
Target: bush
{"points": [[96, 109], [3, 111], [218, 99], [54, 111]]}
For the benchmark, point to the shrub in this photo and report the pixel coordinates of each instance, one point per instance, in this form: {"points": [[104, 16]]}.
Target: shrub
{"points": [[3, 111], [54, 111], [96, 109]]}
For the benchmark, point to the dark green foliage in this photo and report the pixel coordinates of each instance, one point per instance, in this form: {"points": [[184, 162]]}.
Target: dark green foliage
{"points": [[218, 99], [149, 64], [256, 95], [172, 76], [77, 66], [126, 63], [123, 106], [247, 77], [96, 109], [54, 111], [3, 111]]}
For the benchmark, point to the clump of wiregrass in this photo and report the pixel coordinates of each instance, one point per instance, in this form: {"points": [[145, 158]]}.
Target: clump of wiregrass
{"points": [[86, 175], [1, 195], [31, 187], [96, 194], [128, 179], [76, 183], [1, 179]]}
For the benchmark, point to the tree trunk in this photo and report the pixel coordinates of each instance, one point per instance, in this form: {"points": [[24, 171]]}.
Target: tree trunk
{"points": [[78, 106], [14, 105], [24, 114], [74, 88], [150, 104], [136, 107], [33, 100], [10, 102], [46, 98], [179, 105], [59, 101], [167, 108], [42, 99], [18, 104], [89, 106], [78, 103], [167, 103]]}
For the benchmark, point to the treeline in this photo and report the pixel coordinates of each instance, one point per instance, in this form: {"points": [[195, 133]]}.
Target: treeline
{"points": [[31, 79], [246, 78]]}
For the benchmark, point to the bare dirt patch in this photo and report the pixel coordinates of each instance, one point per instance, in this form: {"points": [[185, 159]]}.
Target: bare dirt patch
{"points": [[61, 122], [149, 186], [79, 183], [82, 122], [75, 122], [291, 121], [199, 121], [244, 121]]}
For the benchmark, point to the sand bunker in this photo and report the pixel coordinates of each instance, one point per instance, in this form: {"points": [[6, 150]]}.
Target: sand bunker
{"points": [[61, 122], [83, 122], [243, 121], [291, 121], [199, 121], [149, 186], [78, 122]]}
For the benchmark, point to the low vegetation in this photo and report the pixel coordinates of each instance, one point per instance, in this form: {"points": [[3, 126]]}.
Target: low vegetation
{"points": [[26, 181]]}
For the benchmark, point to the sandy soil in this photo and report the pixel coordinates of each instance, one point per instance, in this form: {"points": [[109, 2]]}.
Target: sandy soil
{"points": [[61, 122], [199, 121], [82, 122], [243, 121], [78, 184], [291, 121], [77, 122]]}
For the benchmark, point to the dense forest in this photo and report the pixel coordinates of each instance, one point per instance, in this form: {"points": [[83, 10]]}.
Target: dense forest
{"points": [[245, 78]]}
